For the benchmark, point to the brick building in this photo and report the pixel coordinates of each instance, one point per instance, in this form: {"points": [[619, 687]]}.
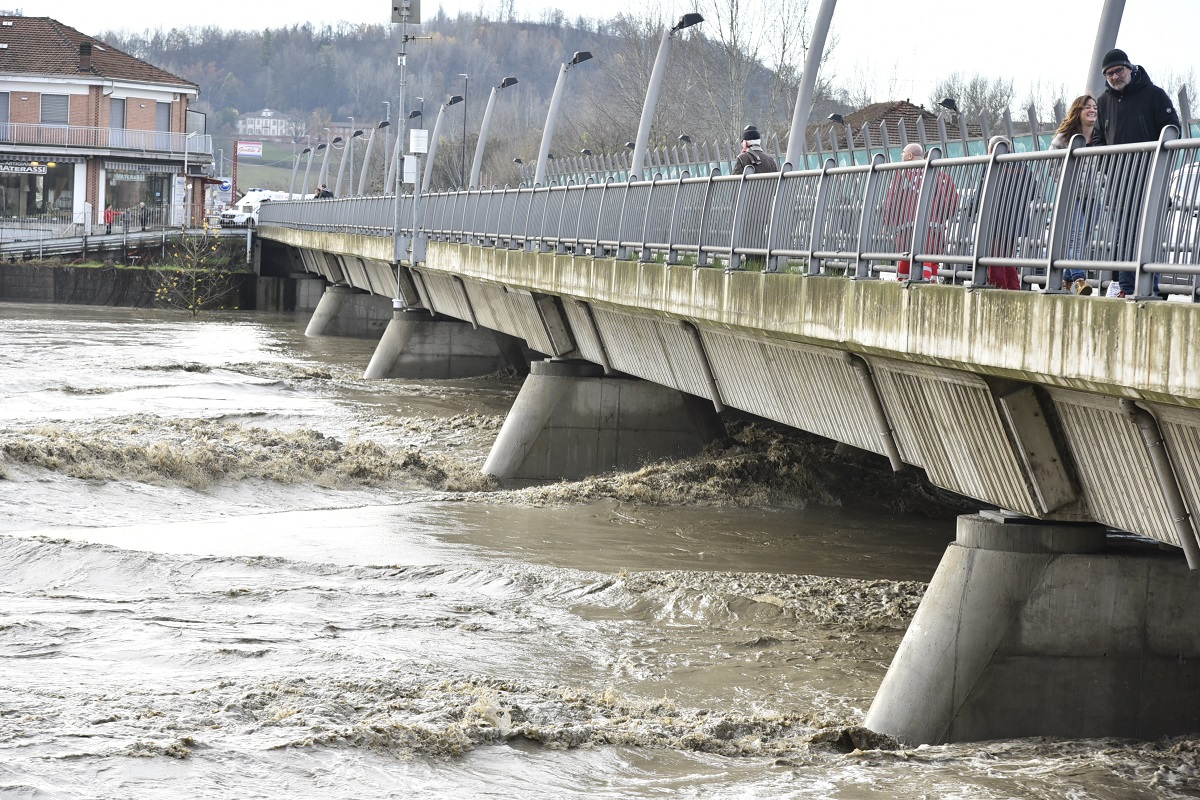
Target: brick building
{"points": [[84, 125]]}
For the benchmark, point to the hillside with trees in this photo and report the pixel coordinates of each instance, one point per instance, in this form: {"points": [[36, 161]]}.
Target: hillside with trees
{"points": [[717, 80]]}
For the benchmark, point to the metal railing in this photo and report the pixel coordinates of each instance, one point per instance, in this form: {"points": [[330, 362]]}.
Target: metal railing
{"points": [[1129, 208], [110, 138]]}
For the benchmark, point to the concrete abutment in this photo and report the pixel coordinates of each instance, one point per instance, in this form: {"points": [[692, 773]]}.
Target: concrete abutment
{"points": [[1037, 629], [418, 345]]}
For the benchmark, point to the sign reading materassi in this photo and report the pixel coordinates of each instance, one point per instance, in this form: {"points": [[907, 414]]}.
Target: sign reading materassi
{"points": [[23, 168], [249, 149]]}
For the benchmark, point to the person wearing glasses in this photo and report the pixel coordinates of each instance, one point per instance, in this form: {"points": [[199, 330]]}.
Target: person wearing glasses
{"points": [[1131, 109]]}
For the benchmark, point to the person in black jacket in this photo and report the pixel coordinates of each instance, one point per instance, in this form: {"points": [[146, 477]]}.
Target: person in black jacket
{"points": [[1132, 109]]}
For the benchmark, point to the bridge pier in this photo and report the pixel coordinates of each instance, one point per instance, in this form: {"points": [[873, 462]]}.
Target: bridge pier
{"points": [[416, 345], [346, 311], [1036, 629], [570, 421]]}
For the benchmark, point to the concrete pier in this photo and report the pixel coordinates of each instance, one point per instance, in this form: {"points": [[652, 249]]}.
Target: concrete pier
{"points": [[1036, 629], [571, 421], [346, 311], [416, 345]]}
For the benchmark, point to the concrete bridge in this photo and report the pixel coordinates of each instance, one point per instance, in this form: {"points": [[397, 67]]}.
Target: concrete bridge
{"points": [[649, 307]]}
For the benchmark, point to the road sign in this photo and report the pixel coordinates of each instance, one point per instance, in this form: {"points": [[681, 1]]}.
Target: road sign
{"points": [[226, 186]]}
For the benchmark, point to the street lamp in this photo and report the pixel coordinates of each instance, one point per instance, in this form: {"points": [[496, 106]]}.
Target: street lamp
{"points": [[362, 177], [638, 159], [539, 171], [187, 185], [433, 140], [808, 83], [477, 163], [838, 119], [295, 166], [951, 104], [323, 175], [462, 169], [308, 167], [348, 151]]}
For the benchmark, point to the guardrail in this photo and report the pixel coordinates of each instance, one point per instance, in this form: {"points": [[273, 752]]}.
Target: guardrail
{"points": [[111, 138], [1124, 208]]}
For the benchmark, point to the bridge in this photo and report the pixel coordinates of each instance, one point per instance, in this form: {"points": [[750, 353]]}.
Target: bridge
{"points": [[648, 307]]}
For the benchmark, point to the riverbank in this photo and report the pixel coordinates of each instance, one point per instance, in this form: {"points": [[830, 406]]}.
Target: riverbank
{"points": [[104, 284]]}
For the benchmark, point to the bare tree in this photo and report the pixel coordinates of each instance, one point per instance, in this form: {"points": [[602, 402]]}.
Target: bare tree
{"points": [[200, 274], [975, 94]]}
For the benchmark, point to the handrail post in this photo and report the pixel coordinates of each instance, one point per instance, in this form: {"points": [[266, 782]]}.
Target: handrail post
{"points": [[673, 228], [861, 269], [1157, 186], [772, 262], [701, 256], [921, 220], [986, 224], [1065, 216], [735, 226], [819, 209]]}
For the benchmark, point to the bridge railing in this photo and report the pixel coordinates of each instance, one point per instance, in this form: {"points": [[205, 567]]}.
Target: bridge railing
{"points": [[1099, 209]]}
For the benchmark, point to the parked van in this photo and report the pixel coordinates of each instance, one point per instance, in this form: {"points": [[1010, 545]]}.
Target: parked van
{"points": [[244, 213]]}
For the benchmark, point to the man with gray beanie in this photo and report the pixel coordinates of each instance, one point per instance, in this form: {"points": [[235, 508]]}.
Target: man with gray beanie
{"points": [[1131, 109], [753, 155]]}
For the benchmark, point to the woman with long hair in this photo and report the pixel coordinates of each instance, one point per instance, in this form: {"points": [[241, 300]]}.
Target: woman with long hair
{"points": [[1081, 121]]}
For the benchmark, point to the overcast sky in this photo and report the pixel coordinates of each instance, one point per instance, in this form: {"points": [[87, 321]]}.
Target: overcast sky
{"points": [[900, 46]]}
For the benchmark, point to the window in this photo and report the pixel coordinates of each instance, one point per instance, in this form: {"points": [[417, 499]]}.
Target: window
{"points": [[55, 109], [4, 134], [162, 117]]}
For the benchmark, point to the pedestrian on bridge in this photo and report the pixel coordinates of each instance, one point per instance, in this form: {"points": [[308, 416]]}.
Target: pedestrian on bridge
{"points": [[753, 155], [110, 216], [1132, 109], [1080, 121]]}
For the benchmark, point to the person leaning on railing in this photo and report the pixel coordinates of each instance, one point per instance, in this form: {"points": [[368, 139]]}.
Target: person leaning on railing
{"points": [[1131, 109], [1080, 121]]}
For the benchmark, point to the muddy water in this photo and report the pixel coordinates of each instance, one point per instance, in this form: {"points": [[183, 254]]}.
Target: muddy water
{"points": [[232, 568]]}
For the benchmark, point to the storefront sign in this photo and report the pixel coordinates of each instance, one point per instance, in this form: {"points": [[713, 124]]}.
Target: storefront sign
{"points": [[249, 149], [22, 168], [128, 176]]}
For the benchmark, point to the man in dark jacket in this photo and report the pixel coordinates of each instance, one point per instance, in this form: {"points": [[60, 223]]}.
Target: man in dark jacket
{"points": [[1131, 109], [753, 155]]}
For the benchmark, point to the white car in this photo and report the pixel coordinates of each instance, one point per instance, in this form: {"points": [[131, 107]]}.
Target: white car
{"points": [[244, 213]]}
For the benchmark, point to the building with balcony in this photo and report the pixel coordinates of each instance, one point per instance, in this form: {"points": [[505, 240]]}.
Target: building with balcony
{"points": [[269, 124], [84, 126]]}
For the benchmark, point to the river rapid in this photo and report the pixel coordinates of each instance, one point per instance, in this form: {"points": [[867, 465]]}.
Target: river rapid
{"points": [[232, 568]]}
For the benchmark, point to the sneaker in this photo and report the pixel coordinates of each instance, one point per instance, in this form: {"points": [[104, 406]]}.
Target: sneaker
{"points": [[1081, 286]]}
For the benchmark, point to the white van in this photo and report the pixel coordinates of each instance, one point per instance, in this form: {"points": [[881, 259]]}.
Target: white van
{"points": [[244, 213]]}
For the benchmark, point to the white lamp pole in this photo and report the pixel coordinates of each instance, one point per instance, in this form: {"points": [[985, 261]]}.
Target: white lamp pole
{"points": [[477, 163], [539, 170], [638, 159]]}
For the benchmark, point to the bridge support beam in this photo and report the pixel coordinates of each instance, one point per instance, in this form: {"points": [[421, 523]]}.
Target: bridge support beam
{"points": [[571, 420], [1034, 629], [416, 345]]}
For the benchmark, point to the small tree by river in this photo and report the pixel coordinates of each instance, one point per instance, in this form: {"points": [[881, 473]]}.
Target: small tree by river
{"points": [[199, 273]]}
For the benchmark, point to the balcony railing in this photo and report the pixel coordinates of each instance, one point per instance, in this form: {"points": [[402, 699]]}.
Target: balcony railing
{"points": [[104, 138]]}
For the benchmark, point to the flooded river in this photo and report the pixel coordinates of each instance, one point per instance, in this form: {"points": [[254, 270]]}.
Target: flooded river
{"points": [[233, 568]]}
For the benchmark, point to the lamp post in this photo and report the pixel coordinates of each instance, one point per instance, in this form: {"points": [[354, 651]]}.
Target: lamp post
{"points": [[477, 163], [362, 177], [308, 167], [323, 175], [951, 104], [348, 151], [187, 185], [539, 170], [462, 169], [808, 83], [838, 119], [660, 65], [433, 140], [296, 166]]}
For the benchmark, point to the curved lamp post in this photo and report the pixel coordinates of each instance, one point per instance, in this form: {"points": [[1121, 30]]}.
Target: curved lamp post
{"points": [[638, 160], [362, 176], [433, 140], [295, 166], [808, 84], [347, 152], [539, 171], [477, 163], [308, 167], [323, 175]]}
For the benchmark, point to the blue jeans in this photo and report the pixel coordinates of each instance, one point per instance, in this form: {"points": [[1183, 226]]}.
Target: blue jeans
{"points": [[1080, 236]]}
